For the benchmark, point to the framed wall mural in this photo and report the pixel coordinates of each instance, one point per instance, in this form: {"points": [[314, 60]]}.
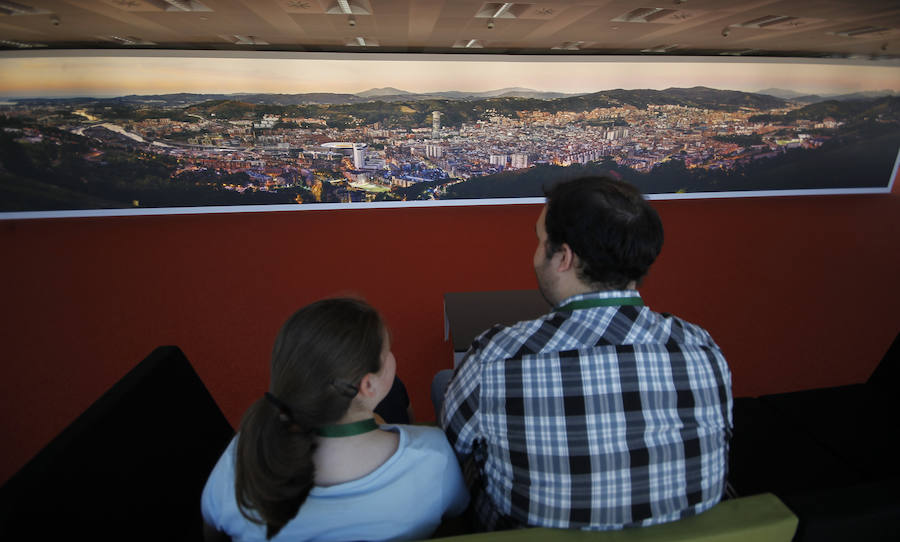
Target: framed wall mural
{"points": [[93, 133]]}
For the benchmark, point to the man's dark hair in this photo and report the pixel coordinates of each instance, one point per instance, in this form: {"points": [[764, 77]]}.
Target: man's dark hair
{"points": [[614, 231]]}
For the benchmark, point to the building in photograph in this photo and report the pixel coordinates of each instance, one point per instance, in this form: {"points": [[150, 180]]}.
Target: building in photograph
{"points": [[436, 124]]}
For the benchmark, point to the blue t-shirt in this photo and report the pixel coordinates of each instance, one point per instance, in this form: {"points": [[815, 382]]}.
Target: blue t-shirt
{"points": [[403, 499]]}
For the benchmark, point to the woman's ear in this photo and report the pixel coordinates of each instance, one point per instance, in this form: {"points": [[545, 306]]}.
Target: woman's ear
{"points": [[368, 386]]}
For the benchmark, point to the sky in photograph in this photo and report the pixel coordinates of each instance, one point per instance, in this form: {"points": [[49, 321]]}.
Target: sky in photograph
{"points": [[43, 75]]}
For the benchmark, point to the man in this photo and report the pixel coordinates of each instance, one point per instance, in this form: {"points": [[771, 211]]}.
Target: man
{"points": [[601, 414]]}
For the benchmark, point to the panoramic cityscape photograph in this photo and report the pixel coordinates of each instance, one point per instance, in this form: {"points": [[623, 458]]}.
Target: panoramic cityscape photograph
{"points": [[105, 131]]}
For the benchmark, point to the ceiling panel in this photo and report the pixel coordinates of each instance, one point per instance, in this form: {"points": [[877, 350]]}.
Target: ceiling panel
{"points": [[766, 27]]}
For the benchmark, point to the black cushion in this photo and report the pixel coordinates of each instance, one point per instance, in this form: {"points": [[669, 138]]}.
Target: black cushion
{"points": [[851, 422], [394, 408], [885, 379], [828, 453], [131, 467], [769, 454], [867, 512]]}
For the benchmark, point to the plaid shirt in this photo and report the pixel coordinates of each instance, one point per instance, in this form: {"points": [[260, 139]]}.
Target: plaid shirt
{"points": [[597, 418]]}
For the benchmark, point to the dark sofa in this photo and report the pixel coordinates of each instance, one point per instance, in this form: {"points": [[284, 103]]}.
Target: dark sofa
{"points": [[131, 467], [828, 453]]}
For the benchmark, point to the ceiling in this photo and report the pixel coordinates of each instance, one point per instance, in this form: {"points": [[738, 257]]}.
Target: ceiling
{"points": [[799, 28]]}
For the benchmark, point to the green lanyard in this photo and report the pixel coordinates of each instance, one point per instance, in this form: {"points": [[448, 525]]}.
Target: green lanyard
{"points": [[604, 302], [347, 429]]}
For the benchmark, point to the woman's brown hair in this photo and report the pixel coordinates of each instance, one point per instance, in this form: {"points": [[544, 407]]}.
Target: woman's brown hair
{"points": [[320, 355]]}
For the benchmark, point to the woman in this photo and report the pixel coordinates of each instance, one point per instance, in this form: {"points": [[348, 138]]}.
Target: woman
{"points": [[309, 461]]}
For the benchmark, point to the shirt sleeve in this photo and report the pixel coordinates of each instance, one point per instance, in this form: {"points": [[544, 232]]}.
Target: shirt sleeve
{"points": [[456, 495], [459, 415]]}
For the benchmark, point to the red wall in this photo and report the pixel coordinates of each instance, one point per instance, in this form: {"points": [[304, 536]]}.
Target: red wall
{"points": [[799, 292]]}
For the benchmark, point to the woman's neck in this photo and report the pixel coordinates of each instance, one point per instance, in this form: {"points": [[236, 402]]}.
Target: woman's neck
{"points": [[343, 459], [355, 415]]}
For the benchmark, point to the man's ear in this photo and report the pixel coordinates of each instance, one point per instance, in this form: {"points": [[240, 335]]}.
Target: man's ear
{"points": [[567, 258]]}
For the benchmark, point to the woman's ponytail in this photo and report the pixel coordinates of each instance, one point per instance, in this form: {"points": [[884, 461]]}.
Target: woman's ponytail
{"points": [[274, 469]]}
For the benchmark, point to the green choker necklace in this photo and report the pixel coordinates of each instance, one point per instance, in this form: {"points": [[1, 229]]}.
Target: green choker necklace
{"points": [[347, 429]]}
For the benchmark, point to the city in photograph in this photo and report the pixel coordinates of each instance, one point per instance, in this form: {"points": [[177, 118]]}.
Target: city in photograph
{"points": [[125, 131]]}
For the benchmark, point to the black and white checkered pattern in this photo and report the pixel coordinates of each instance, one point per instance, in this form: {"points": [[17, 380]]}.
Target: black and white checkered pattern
{"points": [[595, 418]]}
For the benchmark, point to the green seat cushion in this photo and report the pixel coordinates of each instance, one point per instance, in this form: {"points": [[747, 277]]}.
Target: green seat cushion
{"points": [[754, 518]]}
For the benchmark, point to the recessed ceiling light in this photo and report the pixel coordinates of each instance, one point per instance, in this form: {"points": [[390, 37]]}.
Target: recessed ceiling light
{"points": [[348, 7], [768, 20], [657, 15], [15, 8], [778, 22], [862, 31], [643, 15], [128, 40], [360, 41], [469, 44], [501, 10], [20, 44], [660, 48], [569, 45], [185, 5], [238, 39]]}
